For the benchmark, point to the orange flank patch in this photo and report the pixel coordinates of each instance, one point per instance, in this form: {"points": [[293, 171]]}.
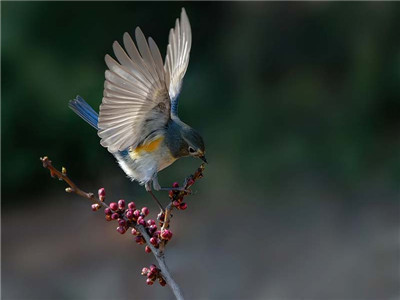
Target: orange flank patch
{"points": [[149, 147]]}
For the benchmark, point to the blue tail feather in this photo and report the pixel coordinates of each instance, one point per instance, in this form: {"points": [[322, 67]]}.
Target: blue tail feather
{"points": [[84, 110]]}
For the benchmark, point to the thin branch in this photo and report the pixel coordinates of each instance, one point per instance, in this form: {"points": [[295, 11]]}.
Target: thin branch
{"points": [[157, 252]]}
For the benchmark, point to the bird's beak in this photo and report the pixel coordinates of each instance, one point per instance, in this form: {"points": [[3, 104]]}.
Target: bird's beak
{"points": [[203, 158]]}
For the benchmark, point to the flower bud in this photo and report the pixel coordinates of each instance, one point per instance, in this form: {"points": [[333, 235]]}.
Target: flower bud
{"points": [[153, 268], [114, 216], [141, 221], [107, 211], [183, 206], [154, 241], [113, 206], [175, 185], [145, 271], [151, 222], [95, 207], [139, 239], [121, 204], [145, 211], [108, 218], [134, 231], [121, 229], [190, 182], [161, 216], [129, 214], [149, 281], [122, 222], [131, 205], [136, 213], [166, 234], [176, 203], [147, 249], [162, 281], [171, 194], [102, 192]]}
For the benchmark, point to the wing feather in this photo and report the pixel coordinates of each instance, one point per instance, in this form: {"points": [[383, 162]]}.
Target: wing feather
{"points": [[135, 103], [177, 58]]}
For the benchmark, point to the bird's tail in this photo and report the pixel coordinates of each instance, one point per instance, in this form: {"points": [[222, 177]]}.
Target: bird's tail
{"points": [[84, 110]]}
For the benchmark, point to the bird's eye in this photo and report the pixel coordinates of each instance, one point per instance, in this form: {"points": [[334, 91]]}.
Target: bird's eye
{"points": [[191, 150]]}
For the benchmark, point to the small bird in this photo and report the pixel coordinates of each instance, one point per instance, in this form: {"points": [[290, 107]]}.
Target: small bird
{"points": [[138, 120]]}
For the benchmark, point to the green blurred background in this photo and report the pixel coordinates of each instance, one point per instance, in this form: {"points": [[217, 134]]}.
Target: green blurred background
{"points": [[299, 106]]}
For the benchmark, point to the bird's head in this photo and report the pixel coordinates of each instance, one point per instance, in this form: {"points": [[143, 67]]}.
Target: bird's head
{"points": [[194, 145]]}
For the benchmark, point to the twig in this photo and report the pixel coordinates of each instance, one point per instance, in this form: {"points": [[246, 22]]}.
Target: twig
{"points": [[158, 253]]}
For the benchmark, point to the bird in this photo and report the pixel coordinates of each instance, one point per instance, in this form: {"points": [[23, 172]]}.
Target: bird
{"points": [[138, 118]]}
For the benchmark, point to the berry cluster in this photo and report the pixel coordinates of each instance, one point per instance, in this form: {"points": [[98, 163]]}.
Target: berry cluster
{"points": [[153, 273]]}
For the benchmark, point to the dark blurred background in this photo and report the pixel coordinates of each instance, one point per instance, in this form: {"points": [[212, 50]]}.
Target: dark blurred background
{"points": [[299, 105]]}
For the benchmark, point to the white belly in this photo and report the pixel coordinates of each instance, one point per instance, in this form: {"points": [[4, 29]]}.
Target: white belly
{"points": [[144, 165]]}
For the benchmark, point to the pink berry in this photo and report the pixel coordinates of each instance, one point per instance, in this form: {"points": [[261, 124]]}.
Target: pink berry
{"points": [[183, 206], [107, 211], [102, 192], [131, 205], [147, 249], [134, 231], [175, 185], [145, 211], [95, 207], [114, 206], [149, 281], [121, 229], [121, 204]]}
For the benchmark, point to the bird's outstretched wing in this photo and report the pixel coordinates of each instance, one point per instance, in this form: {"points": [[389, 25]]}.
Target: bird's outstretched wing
{"points": [[136, 104], [177, 58]]}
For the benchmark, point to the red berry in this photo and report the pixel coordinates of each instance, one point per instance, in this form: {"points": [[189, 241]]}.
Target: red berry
{"points": [[134, 231], [114, 206], [149, 281], [102, 192], [95, 207], [114, 216], [107, 211], [183, 206], [147, 249], [121, 229], [121, 204], [131, 205], [175, 185], [145, 211]]}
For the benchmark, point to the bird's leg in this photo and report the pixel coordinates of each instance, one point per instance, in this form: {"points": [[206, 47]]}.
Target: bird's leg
{"points": [[158, 187], [148, 188]]}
